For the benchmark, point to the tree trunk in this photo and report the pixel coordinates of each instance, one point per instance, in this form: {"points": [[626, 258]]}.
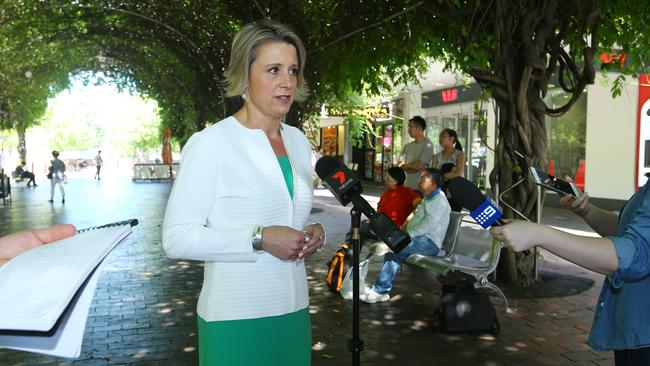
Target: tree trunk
{"points": [[22, 143], [526, 136], [528, 50]]}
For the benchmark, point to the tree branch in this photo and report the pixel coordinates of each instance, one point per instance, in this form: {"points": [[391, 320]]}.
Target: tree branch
{"points": [[385, 20]]}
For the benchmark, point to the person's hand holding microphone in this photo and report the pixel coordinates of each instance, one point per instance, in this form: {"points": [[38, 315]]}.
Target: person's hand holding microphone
{"points": [[516, 235]]}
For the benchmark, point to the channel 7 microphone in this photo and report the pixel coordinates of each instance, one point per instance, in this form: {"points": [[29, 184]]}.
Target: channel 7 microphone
{"points": [[346, 187], [482, 209]]}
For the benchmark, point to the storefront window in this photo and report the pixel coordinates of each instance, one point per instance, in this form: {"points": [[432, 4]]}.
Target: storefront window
{"points": [[478, 151], [469, 129], [566, 136], [329, 144]]}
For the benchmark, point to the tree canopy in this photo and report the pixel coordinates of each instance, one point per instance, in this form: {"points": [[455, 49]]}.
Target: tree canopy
{"points": [[176, 51]]}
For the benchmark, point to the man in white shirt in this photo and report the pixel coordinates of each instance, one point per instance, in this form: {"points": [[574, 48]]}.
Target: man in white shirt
{"points": [[417, 154]]}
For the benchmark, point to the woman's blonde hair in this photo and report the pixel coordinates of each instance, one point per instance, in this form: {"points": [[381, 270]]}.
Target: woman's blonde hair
{"points": [[243, 53]]}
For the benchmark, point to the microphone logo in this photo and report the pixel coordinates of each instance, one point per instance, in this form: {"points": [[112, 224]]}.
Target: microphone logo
{"points": [[340, 176], [486, 214]]}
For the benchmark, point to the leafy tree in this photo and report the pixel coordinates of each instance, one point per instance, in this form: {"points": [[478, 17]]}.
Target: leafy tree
{"points": [[513, 49]]}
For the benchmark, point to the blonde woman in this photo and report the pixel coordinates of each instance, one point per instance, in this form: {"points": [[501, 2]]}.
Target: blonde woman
{"points": [[240, 203]]}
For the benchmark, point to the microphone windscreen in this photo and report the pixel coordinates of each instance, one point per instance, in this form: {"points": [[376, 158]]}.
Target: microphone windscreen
{"points": [[466, 193], [326, 166]]}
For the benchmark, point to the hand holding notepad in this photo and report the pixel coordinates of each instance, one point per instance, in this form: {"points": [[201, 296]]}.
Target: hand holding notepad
{"points": [[46, 292], [14, 244]]}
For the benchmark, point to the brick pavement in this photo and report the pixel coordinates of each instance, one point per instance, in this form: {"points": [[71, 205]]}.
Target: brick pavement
{"points": [[143, 312]]}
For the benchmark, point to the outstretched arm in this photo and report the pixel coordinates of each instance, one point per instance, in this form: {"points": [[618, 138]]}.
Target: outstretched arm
{"points": [[596, 254]]}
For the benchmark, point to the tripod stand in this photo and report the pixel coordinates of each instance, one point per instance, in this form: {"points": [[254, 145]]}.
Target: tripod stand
{"points": [[355, 344]]}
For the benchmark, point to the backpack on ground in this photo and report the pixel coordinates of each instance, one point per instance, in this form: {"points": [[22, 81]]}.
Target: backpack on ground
{"points": [[463, 309], [338, 267]]}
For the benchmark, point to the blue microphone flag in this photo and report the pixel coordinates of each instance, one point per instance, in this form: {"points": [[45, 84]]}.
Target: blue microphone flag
{"points": [[486, 214]]}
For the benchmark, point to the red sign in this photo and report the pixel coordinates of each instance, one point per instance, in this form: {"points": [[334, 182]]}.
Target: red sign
{"points": [[449, 95]]}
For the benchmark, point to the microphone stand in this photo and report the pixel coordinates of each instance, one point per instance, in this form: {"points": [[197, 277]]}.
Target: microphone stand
{"points": [[355, 344]]}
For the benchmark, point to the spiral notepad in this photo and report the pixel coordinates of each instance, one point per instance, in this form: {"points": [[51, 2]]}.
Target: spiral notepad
{"points": [[45, 293]]}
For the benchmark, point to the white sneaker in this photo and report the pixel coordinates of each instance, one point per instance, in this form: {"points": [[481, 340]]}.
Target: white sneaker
{"points": [[372, 297]]}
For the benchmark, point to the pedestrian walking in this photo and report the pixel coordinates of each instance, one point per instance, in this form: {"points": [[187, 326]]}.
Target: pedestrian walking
{"points": [[56, 176], [98, 163]]}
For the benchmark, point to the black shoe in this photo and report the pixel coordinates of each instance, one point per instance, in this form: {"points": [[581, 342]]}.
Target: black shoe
{"points": [[50, 201], [63, 200]]}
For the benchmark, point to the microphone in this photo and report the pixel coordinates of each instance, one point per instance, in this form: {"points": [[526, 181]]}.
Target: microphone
{"points": [[346, 187], [482, 209]]}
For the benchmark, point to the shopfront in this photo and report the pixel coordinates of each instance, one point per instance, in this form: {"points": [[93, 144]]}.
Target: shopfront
{"points": [[380, 149], [332, 136]]}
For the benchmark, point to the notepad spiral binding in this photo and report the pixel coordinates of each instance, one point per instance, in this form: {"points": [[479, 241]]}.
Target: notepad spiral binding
{"points": [[132, 222]]}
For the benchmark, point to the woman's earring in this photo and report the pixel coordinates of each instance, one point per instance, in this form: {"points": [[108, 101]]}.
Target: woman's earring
{"points": [[243, 95]]}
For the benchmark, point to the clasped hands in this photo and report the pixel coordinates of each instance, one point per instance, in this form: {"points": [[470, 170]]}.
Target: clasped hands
{"points": [[289, 244]]}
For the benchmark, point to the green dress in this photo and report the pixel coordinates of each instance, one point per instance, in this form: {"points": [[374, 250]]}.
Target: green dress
{"points": [[283, 340]]}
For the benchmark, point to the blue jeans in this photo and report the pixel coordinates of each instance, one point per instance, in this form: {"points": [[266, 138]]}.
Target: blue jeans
{"points": [[419, 245]]}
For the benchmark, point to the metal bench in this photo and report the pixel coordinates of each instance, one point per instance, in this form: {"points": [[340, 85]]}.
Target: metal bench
{"points": [[475, 256], [468, 252]]}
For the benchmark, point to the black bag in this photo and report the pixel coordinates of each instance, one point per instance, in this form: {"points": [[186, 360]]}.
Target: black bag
{"points": [[462, 309], [338, 267]]}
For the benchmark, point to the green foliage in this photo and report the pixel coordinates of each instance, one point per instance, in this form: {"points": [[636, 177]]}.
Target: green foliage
{"points": [[175, 51], [358, 123]]}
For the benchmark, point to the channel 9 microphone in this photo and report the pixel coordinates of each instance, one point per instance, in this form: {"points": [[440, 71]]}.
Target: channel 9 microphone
{"points": [[346, 187], [482, 209]]}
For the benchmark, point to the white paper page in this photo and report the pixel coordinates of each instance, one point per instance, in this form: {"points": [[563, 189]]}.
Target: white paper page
{"points": [[67, 340], [36, 286]]}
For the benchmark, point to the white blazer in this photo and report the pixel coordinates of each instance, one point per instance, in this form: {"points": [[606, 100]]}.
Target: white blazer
{"points": [[230, 181]]}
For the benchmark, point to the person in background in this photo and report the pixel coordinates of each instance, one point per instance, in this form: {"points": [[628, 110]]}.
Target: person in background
{"points": [[397, 202], [25, 174], [98, 163], [57, 176], [416, 155], [14, 244], [451, 160], [427, 227], [240, 202], [622, 321]]}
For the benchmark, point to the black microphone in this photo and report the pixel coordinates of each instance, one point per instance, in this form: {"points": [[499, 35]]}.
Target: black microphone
{"points": [[482, 209], [346, 187]]}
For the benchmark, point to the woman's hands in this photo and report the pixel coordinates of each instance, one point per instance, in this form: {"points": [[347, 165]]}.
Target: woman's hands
{"points": [[14, 244], [290, 244], [315, 240]]}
